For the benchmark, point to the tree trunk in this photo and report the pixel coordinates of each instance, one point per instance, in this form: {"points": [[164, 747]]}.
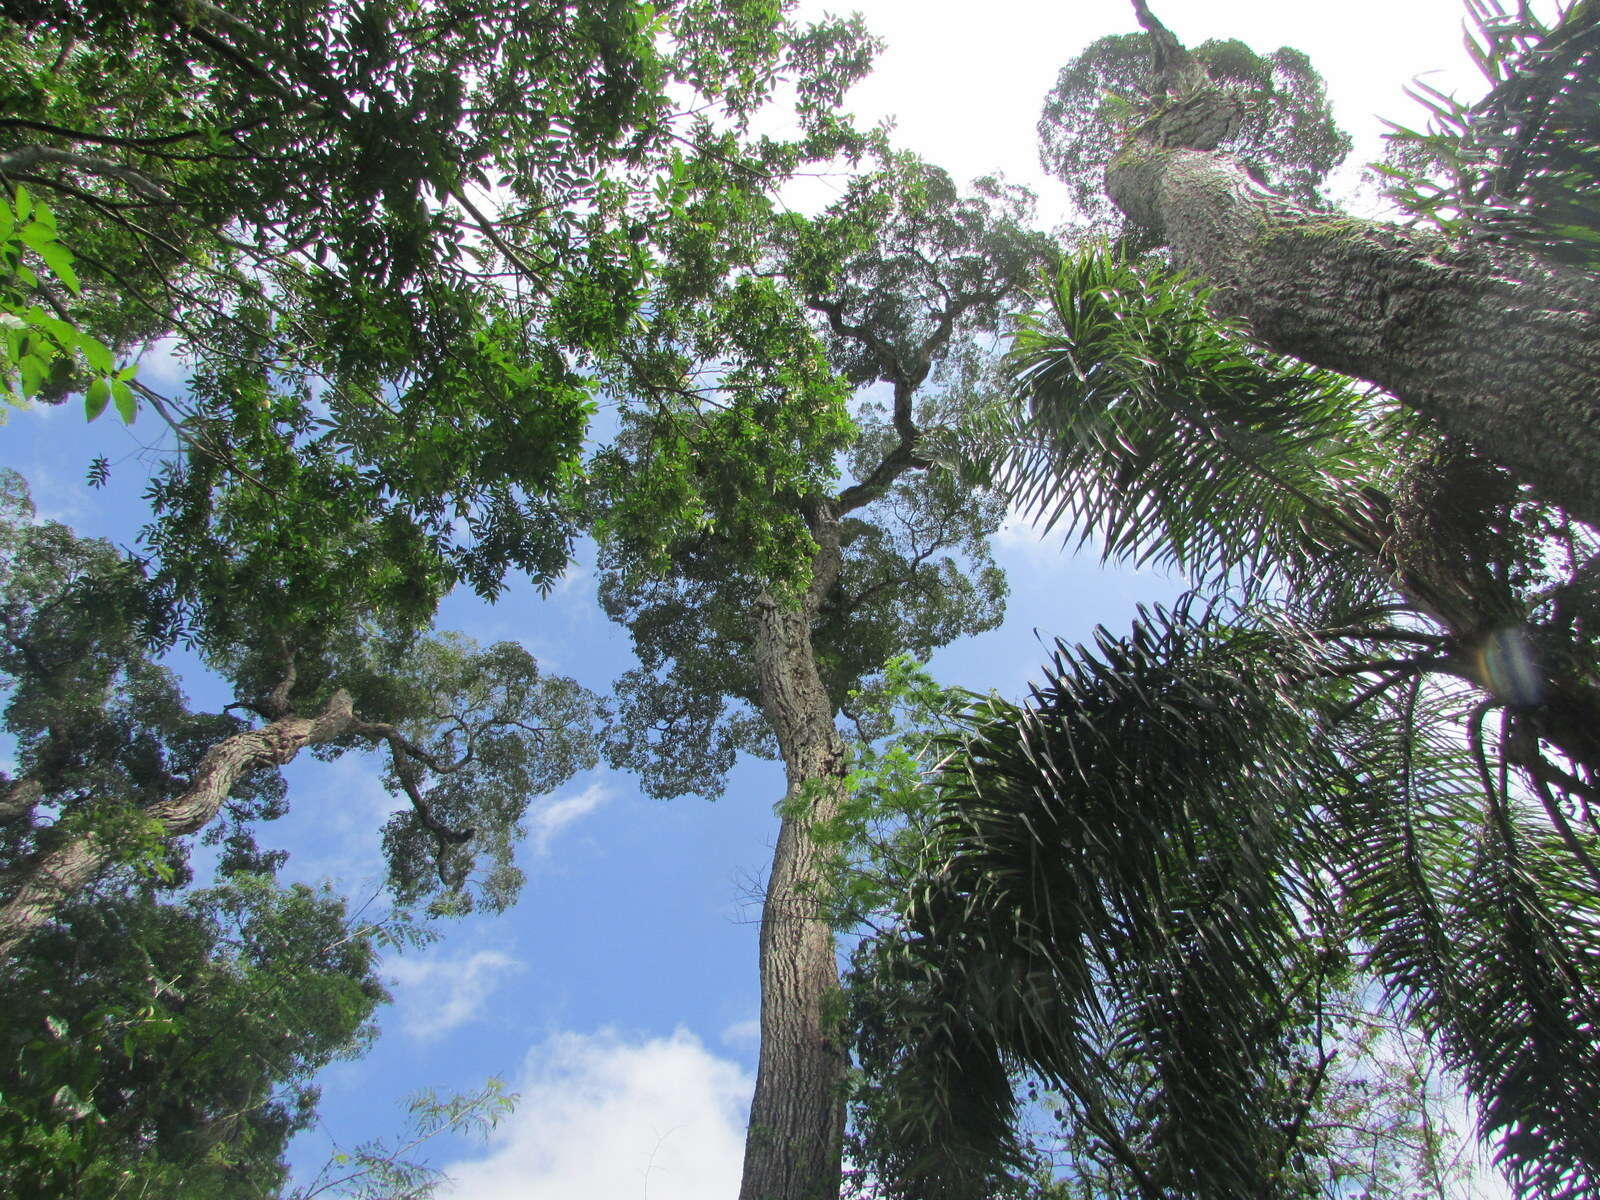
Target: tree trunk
{"points": [[61, 871], [796, 1132], [1500, 348]]}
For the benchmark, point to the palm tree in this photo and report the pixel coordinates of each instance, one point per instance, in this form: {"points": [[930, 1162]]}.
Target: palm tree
{"points": [[1371, 749]]}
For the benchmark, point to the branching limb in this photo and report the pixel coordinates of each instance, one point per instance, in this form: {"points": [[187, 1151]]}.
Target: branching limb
{"points": [[19, 799], [71, 863], [28, 157]]}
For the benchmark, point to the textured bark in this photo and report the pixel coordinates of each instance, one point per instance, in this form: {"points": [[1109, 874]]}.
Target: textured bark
{"points": [[1500, 348], [792, 1148], [64, 869]]}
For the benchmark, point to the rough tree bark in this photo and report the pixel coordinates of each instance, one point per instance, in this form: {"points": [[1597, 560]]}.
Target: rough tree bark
{"points": [[61, 870], [1502, 349], [794, 1143], [792, 1149]]}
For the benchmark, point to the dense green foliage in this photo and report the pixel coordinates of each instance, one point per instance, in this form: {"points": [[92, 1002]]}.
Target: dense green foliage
{"points": [[101, 729], [1524, 162], [746, 413], [379, 366], [169, 1043], [103, 733], [37, 344], [166, 1047], [1232, 799], [402, 245], [321, 160]]}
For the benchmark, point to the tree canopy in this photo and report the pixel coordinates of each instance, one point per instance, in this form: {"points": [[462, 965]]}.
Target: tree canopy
{"points": [[753, 578], [405, 250], [1455, 328], [169, 1044], [1286, 134], [1302, 766]]}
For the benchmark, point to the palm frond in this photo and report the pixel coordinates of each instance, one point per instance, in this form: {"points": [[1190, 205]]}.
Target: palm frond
{"points": [[1523, 163], [1148, 424], [1107, 862], [1474, 917], [1133, 876]]}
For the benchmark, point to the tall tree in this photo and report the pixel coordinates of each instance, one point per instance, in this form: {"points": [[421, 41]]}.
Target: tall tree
{"points": [[113, 765], [1488, 336], [1286, 137], [1172, 811], [386, 398], [756, 586], [380, 332], [361, 171]]}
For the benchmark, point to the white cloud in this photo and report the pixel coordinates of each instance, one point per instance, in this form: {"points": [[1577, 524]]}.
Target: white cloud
{"points": [[743, 1033], [552, 814], [1029, 540], [164, 367], [604, 1118], [346, 847], [57, 495], [435, 993], [573, 582]]}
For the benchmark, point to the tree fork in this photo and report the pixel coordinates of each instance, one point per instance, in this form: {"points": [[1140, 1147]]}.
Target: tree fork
{"points": [[61, 871]]}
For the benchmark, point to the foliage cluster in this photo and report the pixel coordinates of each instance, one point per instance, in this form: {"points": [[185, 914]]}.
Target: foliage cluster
{"points": [[41, 348], [403, 244], [1523, 163], [1250, 798], [1288, 137], [168, 1046]]}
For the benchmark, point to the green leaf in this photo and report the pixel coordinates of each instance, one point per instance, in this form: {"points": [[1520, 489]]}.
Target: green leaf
{"points": [[96, 399], [127, 404], [64, 334], [36, 236], [59, 260], [96, 353], [32, 367], [70, 1103]]}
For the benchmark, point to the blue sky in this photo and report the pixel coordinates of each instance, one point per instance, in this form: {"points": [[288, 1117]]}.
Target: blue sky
{"points": [[619, 995]]}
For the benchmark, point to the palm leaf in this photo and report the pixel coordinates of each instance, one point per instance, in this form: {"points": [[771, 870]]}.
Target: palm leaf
{"points": [[1471, 914], [1107, 862], [1133, 875], [1144, 422]]}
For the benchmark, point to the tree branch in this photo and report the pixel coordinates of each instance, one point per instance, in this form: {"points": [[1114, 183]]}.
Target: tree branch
{"points": [[53, 877], [30, 156]]}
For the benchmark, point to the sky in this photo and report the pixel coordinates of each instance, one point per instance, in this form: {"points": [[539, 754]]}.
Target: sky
{"points": [[619, 997]]}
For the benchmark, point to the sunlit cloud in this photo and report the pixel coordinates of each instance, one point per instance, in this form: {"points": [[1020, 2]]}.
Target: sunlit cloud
{"points": [[1022, 536], [746, 1033], [347, 804], [552, 814], [437, 993], [604, 1117]]}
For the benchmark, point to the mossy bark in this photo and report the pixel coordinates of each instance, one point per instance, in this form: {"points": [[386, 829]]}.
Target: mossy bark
{"points": [[63, 869], [1500, 348]]}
